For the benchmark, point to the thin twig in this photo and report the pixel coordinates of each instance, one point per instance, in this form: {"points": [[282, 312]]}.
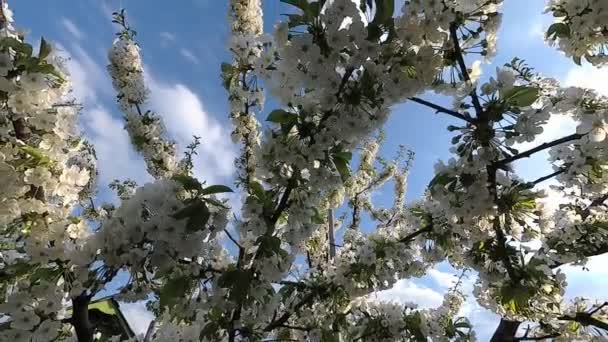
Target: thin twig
{"points": [[440, 109]]}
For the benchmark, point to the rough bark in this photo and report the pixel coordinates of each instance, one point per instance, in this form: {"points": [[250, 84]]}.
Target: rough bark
{"points": [[80, 318], [505, 332]]}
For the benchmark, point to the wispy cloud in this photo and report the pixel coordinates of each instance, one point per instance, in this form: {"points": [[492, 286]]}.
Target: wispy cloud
{"points": [[71, 27], [588, 76], [185, 116], [166, 38], [406, 292], [189, 55]]}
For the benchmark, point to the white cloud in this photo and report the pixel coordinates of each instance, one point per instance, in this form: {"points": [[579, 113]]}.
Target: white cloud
{"points": [[72, 28], [181, 108], [115, 155], [137, 316], [189, 55], [89, 79], [588, 76], [442, 279], [166, 38], [184, 116], [406, 291]]}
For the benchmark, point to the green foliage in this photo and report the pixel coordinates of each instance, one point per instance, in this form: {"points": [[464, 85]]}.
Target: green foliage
{"points": [[229, 75], [329, 336], [215, 189], [17, 45], [520, 96], [516, 298], [45, 49], [173, 290], [196, 213], [238, 281], [285, 119], [341, 160], [26, 62], [383, 20], [268, 246], [257, 190], [188, 182], [558, 30], [309, 11], [34, 157], [442, 180], [104, 306]]}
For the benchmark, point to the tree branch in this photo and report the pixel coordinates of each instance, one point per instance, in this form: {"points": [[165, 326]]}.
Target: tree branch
{"points": [[539, 148], [505, 332], [547, 177], [440, 109], [463, 67], [80, 318], [586, 319], [413, 235], [330, 233]]}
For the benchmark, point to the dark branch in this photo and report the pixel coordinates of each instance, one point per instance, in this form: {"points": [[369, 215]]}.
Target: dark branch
{"points": [[539, 148], [441, 109], [463, 67], [547, 177], [413, 235], [505, 332], [80, 318]]}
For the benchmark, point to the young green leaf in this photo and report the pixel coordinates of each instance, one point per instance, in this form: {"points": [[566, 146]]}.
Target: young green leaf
{"points": [[215, 189], [45, 49]]}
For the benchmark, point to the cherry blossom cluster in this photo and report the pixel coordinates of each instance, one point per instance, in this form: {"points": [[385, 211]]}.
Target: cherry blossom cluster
{"points": [[47, 169], [145, 129], [246, 97], [580, 29]]}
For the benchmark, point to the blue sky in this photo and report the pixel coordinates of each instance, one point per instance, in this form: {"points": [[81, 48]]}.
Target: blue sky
{"points": [[184, 43]]}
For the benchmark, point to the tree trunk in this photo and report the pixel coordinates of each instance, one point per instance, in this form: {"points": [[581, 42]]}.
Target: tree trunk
{"points": [[506, 331], [80, 318]]}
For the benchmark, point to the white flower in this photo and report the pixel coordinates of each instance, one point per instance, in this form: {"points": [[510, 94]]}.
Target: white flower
{"points": [[24, 320], [6, 63], [74, 176], [46, 331], [33, 82], [595, 125]]}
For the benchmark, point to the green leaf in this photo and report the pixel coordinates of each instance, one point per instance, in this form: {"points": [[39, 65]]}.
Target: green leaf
{"points": [[520, 96], [384, 11], [383, 20], [189, 183], [173, 290], [38, 155], [317, 218], [281, 117], [215, 189], [104, 306], [462, 324], [329, 336], [45, 49], [197, 214], [17, 45], [269, 245], [257, 190], [44, 273], [342, 161], [229, 73], [286, 119], [558, 30], [441, 179], [238, 281]]}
